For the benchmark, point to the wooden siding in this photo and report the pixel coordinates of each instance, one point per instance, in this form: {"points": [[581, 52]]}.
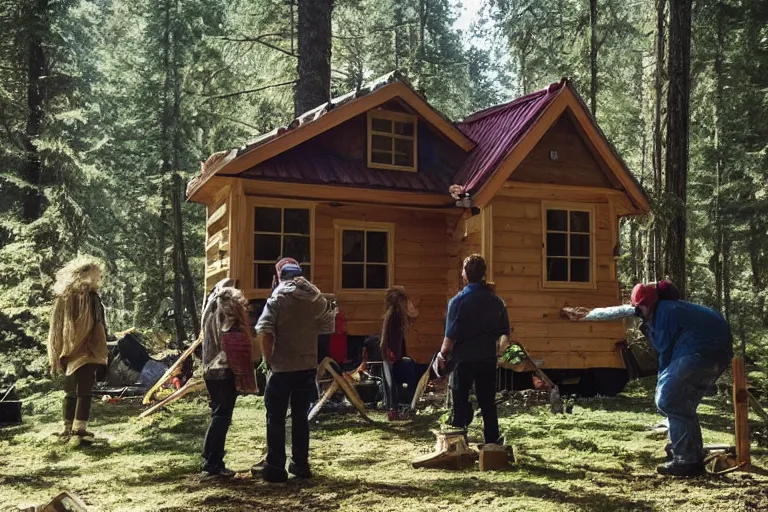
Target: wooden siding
{"points": [[575, 164], [534, 311], [217, 239]]}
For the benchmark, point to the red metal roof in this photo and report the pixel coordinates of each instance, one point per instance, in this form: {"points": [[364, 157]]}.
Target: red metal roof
{"points": [[331, 169], [497, 131]]}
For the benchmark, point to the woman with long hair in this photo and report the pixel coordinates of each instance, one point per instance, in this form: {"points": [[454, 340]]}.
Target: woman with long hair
{"points": [[398, 368], [227, 369], [77, 340]]}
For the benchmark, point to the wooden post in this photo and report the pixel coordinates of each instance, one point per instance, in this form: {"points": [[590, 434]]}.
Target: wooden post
{"points": [[741, 412]]}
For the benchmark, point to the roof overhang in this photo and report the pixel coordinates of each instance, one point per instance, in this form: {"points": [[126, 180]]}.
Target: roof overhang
{"points": [[567, 101], [236, 161]]}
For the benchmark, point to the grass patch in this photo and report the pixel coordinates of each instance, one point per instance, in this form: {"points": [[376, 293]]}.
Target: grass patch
{"points": [[601, 457]]}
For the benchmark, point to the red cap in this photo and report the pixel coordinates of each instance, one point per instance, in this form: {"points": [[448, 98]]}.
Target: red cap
{"points": [[644, 295], [283, 262]]}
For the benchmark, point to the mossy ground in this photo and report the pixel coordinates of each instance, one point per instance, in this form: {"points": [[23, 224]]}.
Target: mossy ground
{"points": [[601, 457]]}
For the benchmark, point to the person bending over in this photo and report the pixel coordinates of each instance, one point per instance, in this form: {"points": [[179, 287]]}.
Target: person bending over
{"points": [[694, 345], [289, 325], [475, 321]]}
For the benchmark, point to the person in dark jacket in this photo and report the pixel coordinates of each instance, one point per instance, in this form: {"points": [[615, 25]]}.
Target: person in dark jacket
{"points": [[694, 344], [398, 368], [475, 322], [289, 325]]}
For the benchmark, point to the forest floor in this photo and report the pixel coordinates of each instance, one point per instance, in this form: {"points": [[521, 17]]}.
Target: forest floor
{"points": [[600, 457]]}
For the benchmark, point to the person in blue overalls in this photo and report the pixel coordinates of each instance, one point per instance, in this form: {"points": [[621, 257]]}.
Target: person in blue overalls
{"points": [[695, 345]]}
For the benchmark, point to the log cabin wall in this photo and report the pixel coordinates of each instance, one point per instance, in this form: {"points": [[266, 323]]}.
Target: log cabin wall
{"points": [[533, 305], [217, 240]]}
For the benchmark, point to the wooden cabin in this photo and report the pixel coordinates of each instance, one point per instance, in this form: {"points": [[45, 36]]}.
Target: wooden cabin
{"points": [[377, 188]]}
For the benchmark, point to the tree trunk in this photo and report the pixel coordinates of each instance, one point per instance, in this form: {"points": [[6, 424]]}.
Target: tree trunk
{"points": [[593, 56], [314, 68], [398, 34], [756, 263], [658, 150], [718, 264], [678, 118], [36, 72]]}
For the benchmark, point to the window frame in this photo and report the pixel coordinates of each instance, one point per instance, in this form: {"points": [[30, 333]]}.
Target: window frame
{"points": [[340, 226], [257, 202], [394, 117], [569, 207]]}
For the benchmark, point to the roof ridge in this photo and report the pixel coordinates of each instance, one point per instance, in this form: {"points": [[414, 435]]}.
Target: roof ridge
{"points": [[482, 114]]}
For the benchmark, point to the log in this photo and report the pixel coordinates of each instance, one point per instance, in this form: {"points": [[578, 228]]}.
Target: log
{"points": [[191, 386]]}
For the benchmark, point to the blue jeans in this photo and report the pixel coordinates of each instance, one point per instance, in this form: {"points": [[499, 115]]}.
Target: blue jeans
{"points": [[679, 391]]}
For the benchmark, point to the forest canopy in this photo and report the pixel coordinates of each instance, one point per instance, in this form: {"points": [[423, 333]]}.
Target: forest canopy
{"points": [[107, 108]]}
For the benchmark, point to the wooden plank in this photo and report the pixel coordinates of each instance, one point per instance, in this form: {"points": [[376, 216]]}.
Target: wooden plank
{"points": [[577, 360], [567, 329], [217, 215], [572, 344], [741, 412], [554, 193], [508, 208]]}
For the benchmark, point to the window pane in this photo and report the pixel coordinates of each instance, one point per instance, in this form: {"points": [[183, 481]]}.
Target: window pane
{"points": [[580, 245], [262, 275], [352, 245], [556, 244], [381, 143], [307, 271], [377, 246], [268, 219], [404, 152], [352, 276], [381, 125], [296, 247], [378, 157], [404, 128], [580, 222], [296, 221], [580, 271], [266, 247], [557, 269], [376, 277], [557, 220]]}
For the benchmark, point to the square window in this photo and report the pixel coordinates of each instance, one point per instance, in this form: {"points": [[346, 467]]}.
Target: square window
{"points": [[557, 269], [263, 274], [266, 247], [352, 276], [580, 270], [381, 125], [557, 220], [296, 247], [268, 220], [580, 245], [352, 246], [580, 222], [392, 140], [376, 246], [376, 277], [557, 244], [296, 221]]}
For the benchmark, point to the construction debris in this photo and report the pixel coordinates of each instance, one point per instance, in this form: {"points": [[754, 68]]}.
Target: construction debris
{"points": [[64, 502], [451, 452]]}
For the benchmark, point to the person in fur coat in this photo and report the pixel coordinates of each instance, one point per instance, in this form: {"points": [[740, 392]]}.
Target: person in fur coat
{"points": [[77, 340]]}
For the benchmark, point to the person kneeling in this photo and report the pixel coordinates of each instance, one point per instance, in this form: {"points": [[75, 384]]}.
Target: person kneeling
{"points": [[289, 325], [227, 370]]}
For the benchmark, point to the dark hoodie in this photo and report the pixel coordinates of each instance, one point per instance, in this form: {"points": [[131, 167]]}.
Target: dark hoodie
{"points": [[294, 315]]}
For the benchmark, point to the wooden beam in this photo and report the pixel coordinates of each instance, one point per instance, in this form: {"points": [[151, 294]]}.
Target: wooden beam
{"points": [[238, 237], [741, 412]]}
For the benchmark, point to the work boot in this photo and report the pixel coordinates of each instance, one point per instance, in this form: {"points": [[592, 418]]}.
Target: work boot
{"points": [[668, 451], [274, 474], [392, 415], [300, 470], [677, 469], [65, 431], [222, 473]]}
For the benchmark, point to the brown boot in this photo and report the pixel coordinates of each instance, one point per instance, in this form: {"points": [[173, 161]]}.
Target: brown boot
{"points": [[79, 431], [66, 430]]}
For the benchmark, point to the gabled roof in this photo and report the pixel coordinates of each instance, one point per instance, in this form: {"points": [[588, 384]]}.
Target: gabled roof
{"points": [[505, 134], [323, 118]]}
